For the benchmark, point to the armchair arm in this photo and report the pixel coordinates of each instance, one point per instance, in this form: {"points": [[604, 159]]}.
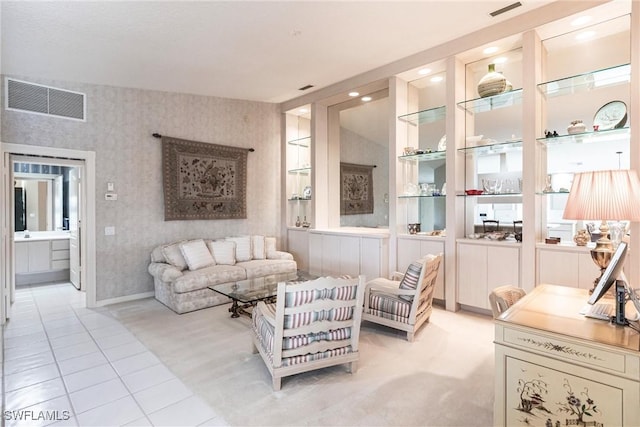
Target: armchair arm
{"points": [[164, 272], [396, 275]]}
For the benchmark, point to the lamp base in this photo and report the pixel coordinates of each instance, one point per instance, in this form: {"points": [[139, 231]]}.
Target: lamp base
{"points": [[601, 256]]}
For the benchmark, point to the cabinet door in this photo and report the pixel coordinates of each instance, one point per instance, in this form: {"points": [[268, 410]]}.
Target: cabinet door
{"points": [[349, 255], [409, 250], [472, 275], [374, 258], [298, 246], [22, 257], [503, 268], [558, 268], [315, 254], [330, 255], [39, 256]]}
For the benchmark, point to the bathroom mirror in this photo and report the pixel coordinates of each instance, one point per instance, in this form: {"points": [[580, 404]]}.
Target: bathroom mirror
{"points": [[39, 199]]}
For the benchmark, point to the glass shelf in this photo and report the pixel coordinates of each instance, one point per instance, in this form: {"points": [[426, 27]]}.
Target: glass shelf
{"points": [[484, 196], [546, 193], [299, 200], [607, 77], [479, 105], [301, 171], [500, 147], [587, 137], [425, 116], [424, 157], [301, 142], [405, 196]]}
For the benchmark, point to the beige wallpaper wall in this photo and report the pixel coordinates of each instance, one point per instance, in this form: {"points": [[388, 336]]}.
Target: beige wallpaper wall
{"points": [[119, 125]]}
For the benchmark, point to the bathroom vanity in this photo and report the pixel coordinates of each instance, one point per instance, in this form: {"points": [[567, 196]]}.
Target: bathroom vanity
{"points": [[41, 257]]}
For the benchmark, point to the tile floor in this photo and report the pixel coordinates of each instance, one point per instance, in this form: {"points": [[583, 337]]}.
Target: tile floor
{"points": [[65, 364]]}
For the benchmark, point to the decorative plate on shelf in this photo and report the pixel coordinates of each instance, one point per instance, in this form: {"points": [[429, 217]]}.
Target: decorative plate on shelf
{"points": [[612, 115]]}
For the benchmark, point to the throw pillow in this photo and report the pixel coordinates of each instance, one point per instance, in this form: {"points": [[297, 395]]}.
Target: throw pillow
{"points": [[270, 246], [173, 255], [196, 254], [224, 252], [243, 247], [410, 279], [258, 249]]}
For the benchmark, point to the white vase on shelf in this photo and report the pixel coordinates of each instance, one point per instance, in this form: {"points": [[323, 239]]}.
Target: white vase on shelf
{"points": [[493, 83]]}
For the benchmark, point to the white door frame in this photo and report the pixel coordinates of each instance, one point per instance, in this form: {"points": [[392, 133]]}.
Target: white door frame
{"points": [[88, 243]]}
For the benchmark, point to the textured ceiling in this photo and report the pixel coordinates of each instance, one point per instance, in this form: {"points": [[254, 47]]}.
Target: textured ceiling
{"points": [[261, 51]]}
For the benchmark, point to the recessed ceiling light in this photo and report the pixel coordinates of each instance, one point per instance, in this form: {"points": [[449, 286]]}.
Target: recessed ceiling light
{"points": [[366, 98], [585, 35], [500, 60], [580, 21], [303, 111], [490, 50], [424, 71], [436, 79], [354, 94]]}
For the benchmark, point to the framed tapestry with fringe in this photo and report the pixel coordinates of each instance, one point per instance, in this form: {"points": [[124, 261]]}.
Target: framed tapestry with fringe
{"points": [[203, 181], [356, 189]]}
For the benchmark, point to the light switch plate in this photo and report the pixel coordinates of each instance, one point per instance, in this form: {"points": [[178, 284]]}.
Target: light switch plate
{"points": [[109, 230], [110, 196]]}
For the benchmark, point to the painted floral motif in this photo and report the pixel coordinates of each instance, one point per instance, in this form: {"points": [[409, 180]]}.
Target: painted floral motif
{"points": [[577, 407], [561, 349]]}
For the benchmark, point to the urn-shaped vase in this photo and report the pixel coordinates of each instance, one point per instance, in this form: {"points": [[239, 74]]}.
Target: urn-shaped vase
{"points": [[493, 83]]}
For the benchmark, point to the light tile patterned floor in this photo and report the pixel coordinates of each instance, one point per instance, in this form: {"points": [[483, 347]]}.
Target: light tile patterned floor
{"points": [[65, 364]]}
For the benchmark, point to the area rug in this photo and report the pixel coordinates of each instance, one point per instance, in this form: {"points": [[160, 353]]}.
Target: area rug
{"points": [[203, 181], [356, 189]]}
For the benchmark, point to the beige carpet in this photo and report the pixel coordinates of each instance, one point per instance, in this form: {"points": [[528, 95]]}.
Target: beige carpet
{"points": [[444, 378]]}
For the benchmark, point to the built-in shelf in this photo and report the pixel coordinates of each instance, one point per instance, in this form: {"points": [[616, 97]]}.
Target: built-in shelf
{"points": [[545, 193], [301, 142], [303, 171], [298, 200], [499, 147], [424, 157], [489, 103], [418, 196], [587, 137], [425, 116], [607, 77]]}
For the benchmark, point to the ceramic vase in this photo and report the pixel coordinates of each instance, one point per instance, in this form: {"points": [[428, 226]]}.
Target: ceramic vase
{"points": [[582, 237], [492, 83]]}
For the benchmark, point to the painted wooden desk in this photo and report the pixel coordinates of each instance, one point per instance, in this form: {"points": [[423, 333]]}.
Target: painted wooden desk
{"points": [[555, 367]]}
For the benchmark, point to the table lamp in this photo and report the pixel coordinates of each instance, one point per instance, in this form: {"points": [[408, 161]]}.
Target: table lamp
{"points": [[610, 195]]}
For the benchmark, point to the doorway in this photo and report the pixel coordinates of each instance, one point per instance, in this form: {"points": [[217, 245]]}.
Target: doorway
{"points": [[83, 162]]}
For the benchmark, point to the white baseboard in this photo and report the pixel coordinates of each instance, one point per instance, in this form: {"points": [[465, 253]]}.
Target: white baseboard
{"points": [[125, 298]]}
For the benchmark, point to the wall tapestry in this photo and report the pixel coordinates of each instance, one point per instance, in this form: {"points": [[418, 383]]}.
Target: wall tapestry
{"points": [[356, 189], [203, 181]]}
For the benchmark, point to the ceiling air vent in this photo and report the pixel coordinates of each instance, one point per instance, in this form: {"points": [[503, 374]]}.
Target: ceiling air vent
{"points": [[33, 98]]}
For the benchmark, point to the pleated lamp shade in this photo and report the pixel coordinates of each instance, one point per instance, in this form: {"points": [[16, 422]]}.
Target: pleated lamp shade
{"points": [[612, 195]]}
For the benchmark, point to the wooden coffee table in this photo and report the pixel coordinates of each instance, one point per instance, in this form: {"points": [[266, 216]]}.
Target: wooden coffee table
{"points": [[245, 294]]}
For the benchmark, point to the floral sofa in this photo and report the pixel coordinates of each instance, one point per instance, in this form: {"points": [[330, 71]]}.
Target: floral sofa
{"points": [[182, 271]]}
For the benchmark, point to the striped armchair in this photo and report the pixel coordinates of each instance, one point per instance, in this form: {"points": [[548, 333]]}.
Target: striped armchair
{"points": [[312, 325], [403, 303]]}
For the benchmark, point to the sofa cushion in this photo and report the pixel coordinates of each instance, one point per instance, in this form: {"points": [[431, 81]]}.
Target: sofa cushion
{"points": [[270, 246], [243, 247], [258, 248], [224, 252], [173, 255], [157, 255], [208, 276], [266, 267], [196, 254]]}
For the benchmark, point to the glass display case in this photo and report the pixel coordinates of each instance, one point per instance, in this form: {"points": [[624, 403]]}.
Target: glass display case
{"points": [[298, 160], [586, 124], [422, 163], [493, 148]]}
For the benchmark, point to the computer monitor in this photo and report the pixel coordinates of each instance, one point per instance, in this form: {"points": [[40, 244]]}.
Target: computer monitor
{"points": [[610, 274], [613, 275]]}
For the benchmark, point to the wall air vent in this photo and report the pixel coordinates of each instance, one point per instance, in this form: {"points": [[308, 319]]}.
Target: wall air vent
{"points": [[305, 87], [505, 9], [50, 101]]}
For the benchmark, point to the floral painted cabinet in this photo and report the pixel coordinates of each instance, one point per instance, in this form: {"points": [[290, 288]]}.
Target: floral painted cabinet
{"points": [[555, 367]]}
